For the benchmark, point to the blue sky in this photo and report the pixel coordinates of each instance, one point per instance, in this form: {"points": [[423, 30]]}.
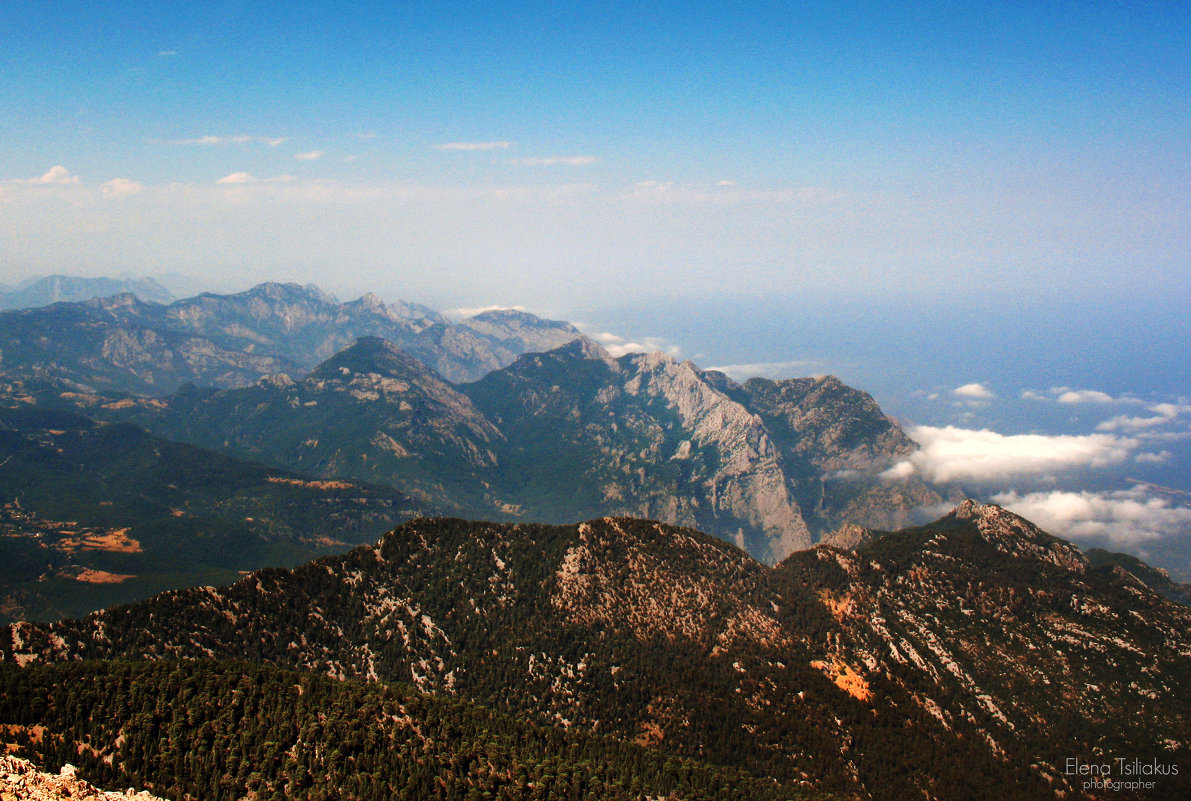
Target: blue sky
{"points": [[542, 152]]}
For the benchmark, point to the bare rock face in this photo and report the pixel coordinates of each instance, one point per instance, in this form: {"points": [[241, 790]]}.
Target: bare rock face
{"points": [[830, 424], [20, 780], [747, 482], [530, 333], [848, 537]]}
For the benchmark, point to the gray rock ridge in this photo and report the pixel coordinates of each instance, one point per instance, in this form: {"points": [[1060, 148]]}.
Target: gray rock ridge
{"points": [[647, 435]]}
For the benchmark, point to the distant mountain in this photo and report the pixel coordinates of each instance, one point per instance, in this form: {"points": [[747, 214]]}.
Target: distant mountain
{"points": [[642, 435], [64, 288], [369, 412], [570, 434], [1156, 579], [971, 658], [122, 344], [93, 514]]}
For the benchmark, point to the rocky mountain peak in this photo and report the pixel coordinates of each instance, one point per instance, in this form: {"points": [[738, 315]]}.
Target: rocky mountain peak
{"points": [[533, 333], [121, 300], [848, 537], [371, 302], [369, 355], [584, 348], [289, 292], [1013, 534]]}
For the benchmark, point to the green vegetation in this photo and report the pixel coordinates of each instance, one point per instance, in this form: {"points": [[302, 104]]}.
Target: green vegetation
{"points": [[97, 514], [223, 730]]}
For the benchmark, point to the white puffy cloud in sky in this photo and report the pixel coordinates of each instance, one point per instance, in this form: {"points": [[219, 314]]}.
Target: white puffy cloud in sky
{"points": [[974, 391], [56, 175], [983, 456], [237, 178], [1162, 414], [1085, 396], [797, 368], [1123, 518], [618, 346], [120, 187]]}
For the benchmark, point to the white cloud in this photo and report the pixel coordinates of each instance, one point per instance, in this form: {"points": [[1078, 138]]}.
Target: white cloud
{"points": [[120, 187], [502, 145], [1171, 410], [1071, 396], [619, 346], [1120, 518], [900, 470], [974, 391], [1085, 396], [237, 178], [1132, 424], [240, 139], [1154, 458], [646, 345], [775, 370], [1164, 414], [551, 161], [310, 155], [162, 53], [464, 312], [56, 175], [958, 454]]}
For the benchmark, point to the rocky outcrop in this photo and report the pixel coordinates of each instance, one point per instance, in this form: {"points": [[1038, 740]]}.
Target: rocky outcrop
{"points": [[20, 780], [849, 537]]}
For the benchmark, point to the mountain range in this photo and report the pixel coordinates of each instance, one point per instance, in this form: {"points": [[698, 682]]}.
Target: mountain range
{"points": [[969, 658], [123, 344], [688, 640], [67, 288], [287, 376]]}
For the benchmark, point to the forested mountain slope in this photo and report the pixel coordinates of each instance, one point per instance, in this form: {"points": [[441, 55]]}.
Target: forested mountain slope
{"points": [[965, 659]]}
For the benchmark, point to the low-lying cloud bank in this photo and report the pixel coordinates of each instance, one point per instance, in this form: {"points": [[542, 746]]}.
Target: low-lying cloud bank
{"points": [[1022, 471], [982, 456], [1119, 519]]}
